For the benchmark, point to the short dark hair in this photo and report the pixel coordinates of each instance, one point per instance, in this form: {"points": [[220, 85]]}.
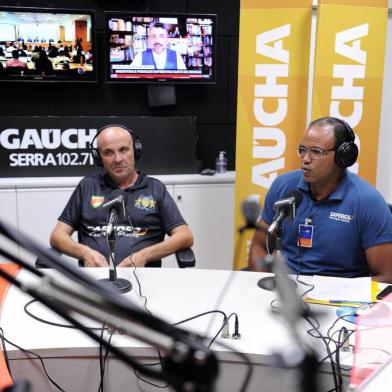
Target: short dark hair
{"points": [[339, 129], [157, 25]]}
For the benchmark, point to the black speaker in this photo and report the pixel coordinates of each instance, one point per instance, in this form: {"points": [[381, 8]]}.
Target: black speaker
{"points": [[347, 152], [137, 145], [161, 95]]}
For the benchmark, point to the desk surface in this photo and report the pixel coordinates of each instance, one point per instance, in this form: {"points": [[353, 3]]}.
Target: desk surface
{"points": [[174, 295]]}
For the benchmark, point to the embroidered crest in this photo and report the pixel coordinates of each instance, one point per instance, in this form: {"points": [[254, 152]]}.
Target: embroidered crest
{"points": [[146, 203], [96, 201]]}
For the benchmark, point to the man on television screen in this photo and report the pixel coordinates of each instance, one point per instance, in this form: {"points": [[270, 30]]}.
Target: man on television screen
{"points": [[158, 55]]}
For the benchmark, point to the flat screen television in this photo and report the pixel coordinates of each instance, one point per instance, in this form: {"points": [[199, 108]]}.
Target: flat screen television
{"points": [[47, 44], [156, 47]]}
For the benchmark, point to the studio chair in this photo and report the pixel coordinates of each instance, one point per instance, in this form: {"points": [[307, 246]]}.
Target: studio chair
{"points": [[185, 259]]}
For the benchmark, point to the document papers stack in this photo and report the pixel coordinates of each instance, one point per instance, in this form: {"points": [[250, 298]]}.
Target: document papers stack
{"points": [[341, 291]]}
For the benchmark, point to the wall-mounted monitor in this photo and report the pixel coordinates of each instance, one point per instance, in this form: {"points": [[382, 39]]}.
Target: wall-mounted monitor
{"points": [[39, 44], [154, 48]]}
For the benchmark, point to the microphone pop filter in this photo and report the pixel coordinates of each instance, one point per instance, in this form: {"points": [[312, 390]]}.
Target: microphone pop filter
{"points": [[297, 196], [250, 210]]}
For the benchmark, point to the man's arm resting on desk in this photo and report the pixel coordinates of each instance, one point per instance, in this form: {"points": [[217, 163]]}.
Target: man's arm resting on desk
{"points": [[180, 238], [61, 240], [258, 249], [379, 259]]}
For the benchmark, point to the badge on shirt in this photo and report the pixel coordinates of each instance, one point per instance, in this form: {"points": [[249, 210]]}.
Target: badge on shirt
{"points": [[96, 201], [305, 235], [146, 203]]}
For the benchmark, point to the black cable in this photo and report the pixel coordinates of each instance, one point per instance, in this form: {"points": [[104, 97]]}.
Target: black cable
{"points": [[161, 360], [102, 330], [101, 372], [336, 377], [145, 299], [339, 345], [241, 355], [102, 362], [111, 298], [200, 315], [190, 319], [110, 251], [40, 359], [316, 329], [140, 378], [120, 354], [310, 285], [221, 328], [245, 360], [51, 322], [5, 353], [144, 306], [330, 337]]}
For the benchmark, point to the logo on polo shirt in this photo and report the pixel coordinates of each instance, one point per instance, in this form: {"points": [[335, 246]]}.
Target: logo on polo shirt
{"points": [[121, 230], [341, 217], [145, 203], [96, 201]]}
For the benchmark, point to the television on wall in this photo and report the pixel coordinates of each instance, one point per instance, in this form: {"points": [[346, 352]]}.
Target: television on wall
{"points": [[159, 48], [47, 44]]}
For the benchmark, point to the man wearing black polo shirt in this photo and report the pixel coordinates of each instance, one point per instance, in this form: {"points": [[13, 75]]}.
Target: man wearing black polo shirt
{"points": [[151, 212]]}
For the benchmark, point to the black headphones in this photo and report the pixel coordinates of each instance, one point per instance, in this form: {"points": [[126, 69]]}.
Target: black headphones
{"points": [[347, 152], [137, 145]]}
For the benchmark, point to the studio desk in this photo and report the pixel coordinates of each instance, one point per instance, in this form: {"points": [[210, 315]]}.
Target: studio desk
{"points": [[72, 358]]}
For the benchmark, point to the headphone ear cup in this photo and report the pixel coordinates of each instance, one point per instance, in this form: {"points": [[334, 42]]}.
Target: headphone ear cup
{"points": [[97, 157], [137, 148], [346, 154]]}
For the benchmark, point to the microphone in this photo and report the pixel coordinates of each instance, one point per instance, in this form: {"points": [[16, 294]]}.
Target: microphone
{"points": [[117, 209], [285, 208], [251, 212]]}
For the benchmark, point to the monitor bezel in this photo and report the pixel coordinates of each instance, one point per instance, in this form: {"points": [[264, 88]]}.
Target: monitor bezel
{"points": [[158, 81]]}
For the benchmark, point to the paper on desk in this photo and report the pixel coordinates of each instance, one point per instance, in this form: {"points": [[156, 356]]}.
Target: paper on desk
{"points": [[328, 288]]}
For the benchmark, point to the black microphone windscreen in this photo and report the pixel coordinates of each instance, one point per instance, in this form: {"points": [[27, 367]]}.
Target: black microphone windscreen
{"points": [[251, 210], [117, 200], [297, 196], [116, 193]]}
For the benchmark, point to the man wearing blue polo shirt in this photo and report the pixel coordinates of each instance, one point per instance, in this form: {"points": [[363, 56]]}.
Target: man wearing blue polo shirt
{"points": [[343, 226]]}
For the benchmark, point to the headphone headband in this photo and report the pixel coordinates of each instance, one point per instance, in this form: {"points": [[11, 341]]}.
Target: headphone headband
{"points": [[347, 152], [137, 145], [349, 131]]}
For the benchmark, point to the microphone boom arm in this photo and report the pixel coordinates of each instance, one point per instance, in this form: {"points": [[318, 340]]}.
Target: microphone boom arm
{"points": [[188, 359]]}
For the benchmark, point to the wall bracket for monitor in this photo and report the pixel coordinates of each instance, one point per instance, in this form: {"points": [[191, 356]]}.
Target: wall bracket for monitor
{"points": [[161, 95]]}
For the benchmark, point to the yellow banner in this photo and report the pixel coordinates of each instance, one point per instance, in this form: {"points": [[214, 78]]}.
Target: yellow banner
{"points": [[272, 95], [348, 71]]}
